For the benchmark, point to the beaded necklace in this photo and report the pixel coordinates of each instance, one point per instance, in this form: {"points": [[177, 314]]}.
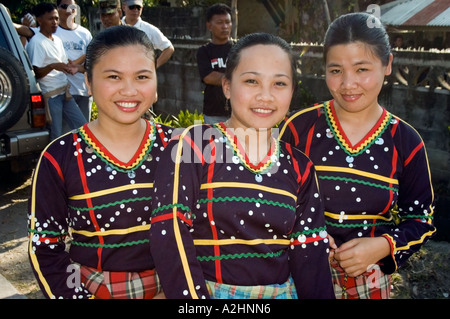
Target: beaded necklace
{"points": [[264, 167]]}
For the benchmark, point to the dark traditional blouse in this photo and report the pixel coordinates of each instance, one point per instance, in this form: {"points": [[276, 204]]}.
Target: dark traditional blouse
{"points": [[81, 188], [218, 217], [378, 187]]}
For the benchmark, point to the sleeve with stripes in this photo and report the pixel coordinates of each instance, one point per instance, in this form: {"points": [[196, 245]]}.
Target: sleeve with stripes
{"points": [[48, 227], [415, 200], [176, 190]]}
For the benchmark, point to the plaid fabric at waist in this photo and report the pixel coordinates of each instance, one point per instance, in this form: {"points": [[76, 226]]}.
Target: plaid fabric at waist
{"points": [[278, 291], [373, 284], [120, 285]]}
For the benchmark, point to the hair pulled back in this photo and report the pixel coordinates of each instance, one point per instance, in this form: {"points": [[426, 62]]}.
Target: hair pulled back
{"points": [[111, 38], [359, 27]]}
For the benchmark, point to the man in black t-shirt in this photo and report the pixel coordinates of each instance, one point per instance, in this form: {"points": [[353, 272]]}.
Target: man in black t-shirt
{"points": [[211, 61]]}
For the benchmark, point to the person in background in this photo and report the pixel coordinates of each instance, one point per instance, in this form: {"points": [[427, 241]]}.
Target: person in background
{"points": [[75, 39], [27, 27], [236, 212], [372, 166], [51, 66], [211, 62], [110, 12], [100, 178], [132, 16], [398, 42]]}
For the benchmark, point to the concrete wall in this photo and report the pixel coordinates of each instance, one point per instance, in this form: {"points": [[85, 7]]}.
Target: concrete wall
{"points": [[418, 91], [419, 97]]}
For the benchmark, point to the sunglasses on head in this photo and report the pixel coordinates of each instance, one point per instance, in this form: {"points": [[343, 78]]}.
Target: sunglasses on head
{"points": [[64, 6], [134, 7]]}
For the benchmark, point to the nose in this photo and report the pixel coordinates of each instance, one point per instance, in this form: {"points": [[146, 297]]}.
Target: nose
{"points": [[348, 81], [128, 88], [265, 94]]}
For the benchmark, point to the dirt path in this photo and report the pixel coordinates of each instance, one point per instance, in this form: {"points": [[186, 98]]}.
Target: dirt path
{"points": [[426, 275]]}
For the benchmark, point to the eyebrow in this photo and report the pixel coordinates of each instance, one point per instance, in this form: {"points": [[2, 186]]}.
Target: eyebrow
{"points": [[330, 65], [116, 71], [257, 73]]}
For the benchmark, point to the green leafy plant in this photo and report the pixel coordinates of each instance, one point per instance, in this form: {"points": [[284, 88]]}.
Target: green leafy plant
{"points": [[186, 119]]}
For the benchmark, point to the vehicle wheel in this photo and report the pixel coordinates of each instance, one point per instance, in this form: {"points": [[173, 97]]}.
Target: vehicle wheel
{"points": [[14, 90]]}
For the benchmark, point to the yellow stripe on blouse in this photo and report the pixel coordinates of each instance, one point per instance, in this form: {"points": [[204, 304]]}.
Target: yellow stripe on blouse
{"points": [[122, 231], [248, 185], [111, 191]]}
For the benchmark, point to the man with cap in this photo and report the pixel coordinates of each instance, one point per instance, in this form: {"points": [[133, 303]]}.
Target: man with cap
{"points": [[133, 11], [110, 12]]}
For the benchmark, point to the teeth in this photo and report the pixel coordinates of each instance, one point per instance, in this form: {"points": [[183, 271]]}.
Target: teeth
{"points": [[127, 105], [262, 111]]}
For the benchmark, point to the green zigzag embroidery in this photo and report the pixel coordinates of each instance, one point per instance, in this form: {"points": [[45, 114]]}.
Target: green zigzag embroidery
{"points": [[92, 245], [117, 168], [239, 256], [358, 225], [346, 179], [45, 232], [340, 143], [170, 206], [245, 199], [402, 217], [307, 232], [110, 204]]}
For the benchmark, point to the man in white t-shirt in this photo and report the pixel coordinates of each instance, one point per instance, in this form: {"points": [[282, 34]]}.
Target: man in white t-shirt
{"points": [[50, 64], [75, 39], [133, 10]]}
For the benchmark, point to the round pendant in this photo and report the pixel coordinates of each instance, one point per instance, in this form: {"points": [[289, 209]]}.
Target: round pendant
{"points": [[302, 238], [149, 158], [132, 174], [329, 134], [89, 150], [235, 159], [258, 178]]}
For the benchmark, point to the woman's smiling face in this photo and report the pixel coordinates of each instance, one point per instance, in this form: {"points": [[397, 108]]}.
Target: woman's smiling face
{"points": [[355, 76], [124, 88], [261, 87]]}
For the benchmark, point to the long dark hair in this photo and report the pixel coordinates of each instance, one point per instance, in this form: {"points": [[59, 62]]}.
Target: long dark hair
{"points": [[359, 27]]}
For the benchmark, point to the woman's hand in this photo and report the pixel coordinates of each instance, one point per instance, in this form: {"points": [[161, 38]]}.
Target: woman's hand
{"points": [[356, 255], [333, 248]]}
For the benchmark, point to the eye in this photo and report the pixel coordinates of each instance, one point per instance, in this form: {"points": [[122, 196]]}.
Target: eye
{"points": [[143, 77], [334, 71], [251, 81], [281, 83], [363, 70], [113, 77]]}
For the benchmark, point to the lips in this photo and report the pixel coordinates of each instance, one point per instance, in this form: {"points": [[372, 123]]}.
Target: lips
{"points": [[128, 106], [262, 112], [351, 97]]}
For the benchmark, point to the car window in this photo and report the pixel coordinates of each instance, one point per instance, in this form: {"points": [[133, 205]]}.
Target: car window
{"points": [[3, 42]]}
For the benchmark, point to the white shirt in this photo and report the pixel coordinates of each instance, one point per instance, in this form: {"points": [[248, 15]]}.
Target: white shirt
{"points": [[158, 39], [43, 51], [75, 43]]}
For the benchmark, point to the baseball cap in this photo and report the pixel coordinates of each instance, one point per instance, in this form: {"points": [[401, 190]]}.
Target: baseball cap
{"points": [[133, 2], [108, 6]]}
